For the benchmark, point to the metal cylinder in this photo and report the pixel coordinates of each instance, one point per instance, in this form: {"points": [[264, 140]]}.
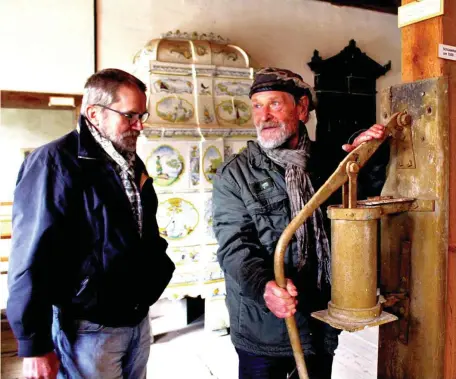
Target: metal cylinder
{"points": [[354, 264]]}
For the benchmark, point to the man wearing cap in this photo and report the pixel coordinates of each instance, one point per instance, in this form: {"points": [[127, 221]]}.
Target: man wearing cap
{"points": [[256, 194]]}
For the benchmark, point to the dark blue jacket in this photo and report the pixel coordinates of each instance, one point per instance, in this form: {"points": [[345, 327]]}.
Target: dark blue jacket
{"points": [[75, 243]]}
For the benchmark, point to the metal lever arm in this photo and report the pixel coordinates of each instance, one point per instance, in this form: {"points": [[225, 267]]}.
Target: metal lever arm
{"points": [[360, 155]]}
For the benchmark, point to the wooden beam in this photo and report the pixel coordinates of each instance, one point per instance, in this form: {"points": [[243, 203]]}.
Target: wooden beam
{"points": [[420, 60], [35, 100], [386, 6], [39, 100]]}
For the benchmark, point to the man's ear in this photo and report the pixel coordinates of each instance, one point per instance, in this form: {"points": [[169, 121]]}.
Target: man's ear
{"points": [[92, 114], [303, 109]]}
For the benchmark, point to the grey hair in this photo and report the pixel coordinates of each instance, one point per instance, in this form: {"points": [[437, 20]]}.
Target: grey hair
{"points": [[101, 87]]}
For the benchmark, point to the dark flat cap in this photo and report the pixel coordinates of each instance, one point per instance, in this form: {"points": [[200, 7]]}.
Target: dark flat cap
{"points": [[279, 79]]}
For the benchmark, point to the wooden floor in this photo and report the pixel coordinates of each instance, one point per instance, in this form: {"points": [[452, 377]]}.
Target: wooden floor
{"points": [[357, 355], [201, 355], [204, 356], [11, 365]]}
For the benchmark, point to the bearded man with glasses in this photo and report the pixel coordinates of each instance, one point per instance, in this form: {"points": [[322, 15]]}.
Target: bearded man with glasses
{"points": [[87, 260]]}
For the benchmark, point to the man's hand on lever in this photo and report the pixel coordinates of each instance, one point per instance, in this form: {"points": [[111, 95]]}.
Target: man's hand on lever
{"points": [[376, 131], [281, 301]]}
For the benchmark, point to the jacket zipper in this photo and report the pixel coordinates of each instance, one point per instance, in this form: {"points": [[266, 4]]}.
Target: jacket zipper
{"points": [[83, 285]]}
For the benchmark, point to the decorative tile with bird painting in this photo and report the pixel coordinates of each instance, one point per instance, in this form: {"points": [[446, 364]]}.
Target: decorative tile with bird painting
{"points": [[212, 158], [171, 85], [206, 112]]}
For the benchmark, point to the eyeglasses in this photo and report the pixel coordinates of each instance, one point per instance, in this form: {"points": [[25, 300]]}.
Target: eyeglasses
{"points": [[132, 117]]}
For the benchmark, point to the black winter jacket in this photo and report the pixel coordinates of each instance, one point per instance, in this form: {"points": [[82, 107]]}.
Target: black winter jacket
{"points": [[75, 243]]}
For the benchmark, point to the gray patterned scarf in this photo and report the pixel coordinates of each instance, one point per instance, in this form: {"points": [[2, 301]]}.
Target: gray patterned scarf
{"points": [[125, 169], [300, 191]]}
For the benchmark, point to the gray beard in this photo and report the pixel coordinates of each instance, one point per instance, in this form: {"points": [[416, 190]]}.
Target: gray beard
{"points": [[282, 138], [119, 142]]}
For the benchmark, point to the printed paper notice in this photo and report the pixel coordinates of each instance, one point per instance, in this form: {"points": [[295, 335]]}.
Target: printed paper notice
{"points": [[447, 52], [419, 11]]}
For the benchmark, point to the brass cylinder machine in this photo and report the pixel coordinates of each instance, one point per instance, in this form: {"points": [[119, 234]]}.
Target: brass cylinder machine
{"points": [[354, 303]]}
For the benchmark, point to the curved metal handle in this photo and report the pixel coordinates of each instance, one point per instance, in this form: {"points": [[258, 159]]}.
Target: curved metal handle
{"points": [[360, 155]]}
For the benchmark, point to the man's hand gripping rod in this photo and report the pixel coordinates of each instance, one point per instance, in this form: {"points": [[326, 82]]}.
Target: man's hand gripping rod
{"points": [[360, 156]]}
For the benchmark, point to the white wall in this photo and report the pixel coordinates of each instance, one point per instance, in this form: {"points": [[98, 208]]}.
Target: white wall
{"points": [[46, 45], [27, 128], [283, 33]]}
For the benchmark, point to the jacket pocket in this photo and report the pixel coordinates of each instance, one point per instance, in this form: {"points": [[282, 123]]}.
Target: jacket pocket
{"points": [[154, 275], [86, 293], [274, 202], [260, 326], [270, 218]]}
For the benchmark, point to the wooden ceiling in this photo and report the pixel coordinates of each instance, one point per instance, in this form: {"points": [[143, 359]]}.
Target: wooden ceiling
{"points": [[387, 6]]}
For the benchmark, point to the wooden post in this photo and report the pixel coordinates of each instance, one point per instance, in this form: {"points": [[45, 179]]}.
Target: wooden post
{"points": [[420, 60]]}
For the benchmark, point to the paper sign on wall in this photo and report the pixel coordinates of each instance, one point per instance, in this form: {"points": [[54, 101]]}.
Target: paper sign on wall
{"points": [[447, 52], [418, 11]]}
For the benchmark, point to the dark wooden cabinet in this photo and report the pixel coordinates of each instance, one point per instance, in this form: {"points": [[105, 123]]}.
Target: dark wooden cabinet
{"points": [[346, 91]]}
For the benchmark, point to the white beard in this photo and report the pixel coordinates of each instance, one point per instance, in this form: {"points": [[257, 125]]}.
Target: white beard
{"points": [[282, 135]]}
